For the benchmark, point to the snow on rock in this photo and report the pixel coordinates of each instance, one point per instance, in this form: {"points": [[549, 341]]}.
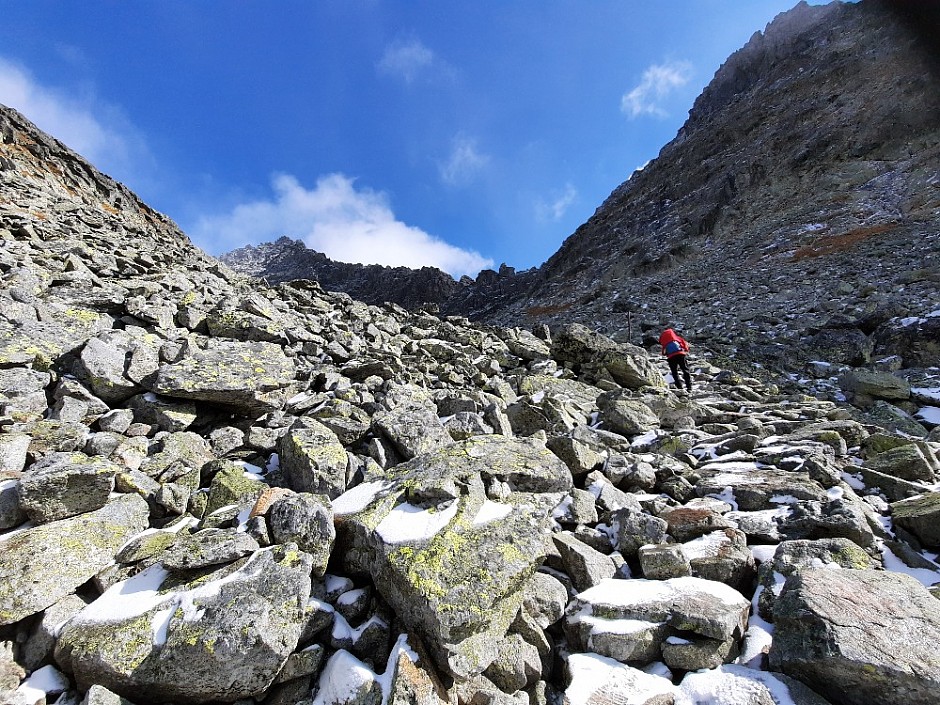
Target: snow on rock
{"points": [[596, 679], [736, 685]]}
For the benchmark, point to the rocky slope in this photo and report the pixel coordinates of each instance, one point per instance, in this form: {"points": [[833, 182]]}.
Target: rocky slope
{"points": [[214, 490], [793, 218], [801, 197]]}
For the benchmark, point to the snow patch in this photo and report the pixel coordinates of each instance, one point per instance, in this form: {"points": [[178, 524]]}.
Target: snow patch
{"points": [[359, 497], [491, 511], [592, 672], [408, 523]]}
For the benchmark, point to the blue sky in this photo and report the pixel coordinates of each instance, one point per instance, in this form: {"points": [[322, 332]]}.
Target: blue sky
{"points": [[448, 133]]}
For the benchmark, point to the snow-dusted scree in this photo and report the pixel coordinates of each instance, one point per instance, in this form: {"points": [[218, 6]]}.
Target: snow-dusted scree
{"points": [[212, 490]]}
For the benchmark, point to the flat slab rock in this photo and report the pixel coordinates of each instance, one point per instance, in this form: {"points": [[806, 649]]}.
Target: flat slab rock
{"points": [[859, 636], [41, 565], [630, 620]]}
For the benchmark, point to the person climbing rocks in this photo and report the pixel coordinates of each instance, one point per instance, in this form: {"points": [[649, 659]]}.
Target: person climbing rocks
{"points": [[676, 349]]}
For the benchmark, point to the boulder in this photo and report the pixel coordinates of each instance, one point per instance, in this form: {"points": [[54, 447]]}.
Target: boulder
{"points": [[413, 531], [906, 462], [22, 393], [61, 485], [863, 387], [250, 377], [41, 565], [312, 458], [840, 517], [722, 556], [222, 637], [209, 547], [306, 520], [631, 620], [737, 685], [753, 486], [597, 680], [627, 416], [631, 530], [11, 514], [921, 516], [825, 636], [792, 556], [114, 364], [585, 566]]}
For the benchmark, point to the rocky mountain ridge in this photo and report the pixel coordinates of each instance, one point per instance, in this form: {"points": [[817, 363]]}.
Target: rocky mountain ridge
{"points": [[286, 260], [214, 490], [793, 218]]}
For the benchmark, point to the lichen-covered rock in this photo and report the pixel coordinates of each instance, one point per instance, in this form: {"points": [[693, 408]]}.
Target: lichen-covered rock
{"points": [[906, 462], [231, 485], [166, 414], [41, 565], [824, 635], [414, 530], [313, 459], [209, 547], [22, 393], [251, 377], [412, 428], [61, 485], [863, 387], [627, 416], [306, 520], [115, 363], [793, 556], [220, 638], [921, 516]]}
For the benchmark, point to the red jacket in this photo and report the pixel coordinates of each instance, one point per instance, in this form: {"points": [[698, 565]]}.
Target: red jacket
{"points": [[669, 336]]}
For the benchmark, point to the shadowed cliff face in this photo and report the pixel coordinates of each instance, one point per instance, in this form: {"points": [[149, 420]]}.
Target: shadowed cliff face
{"points": [[804, 184]]}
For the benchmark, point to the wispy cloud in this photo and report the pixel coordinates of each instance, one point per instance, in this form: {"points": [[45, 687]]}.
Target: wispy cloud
{"points": [[346, 223], [97, 131], [658, 81], [464, 162], [554, 208], [406, 60]]}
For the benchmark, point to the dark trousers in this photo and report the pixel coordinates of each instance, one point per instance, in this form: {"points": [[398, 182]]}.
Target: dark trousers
{"points": [[676, 363]]}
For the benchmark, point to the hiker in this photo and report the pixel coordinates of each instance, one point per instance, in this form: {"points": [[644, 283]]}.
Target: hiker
{"points": [[675, 348]]}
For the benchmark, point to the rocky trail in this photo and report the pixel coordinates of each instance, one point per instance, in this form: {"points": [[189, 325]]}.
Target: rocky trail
{"points": [[216, 491]]}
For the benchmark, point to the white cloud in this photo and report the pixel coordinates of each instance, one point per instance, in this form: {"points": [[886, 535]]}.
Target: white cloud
{"points": [[98, 132], [658, 81], [554, 209], [465, 161], [406, 60], [343, 222]]}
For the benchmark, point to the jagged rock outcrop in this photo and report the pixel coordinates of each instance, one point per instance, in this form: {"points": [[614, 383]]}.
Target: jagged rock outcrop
{"points": [[318, 500], [285, 260]]}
